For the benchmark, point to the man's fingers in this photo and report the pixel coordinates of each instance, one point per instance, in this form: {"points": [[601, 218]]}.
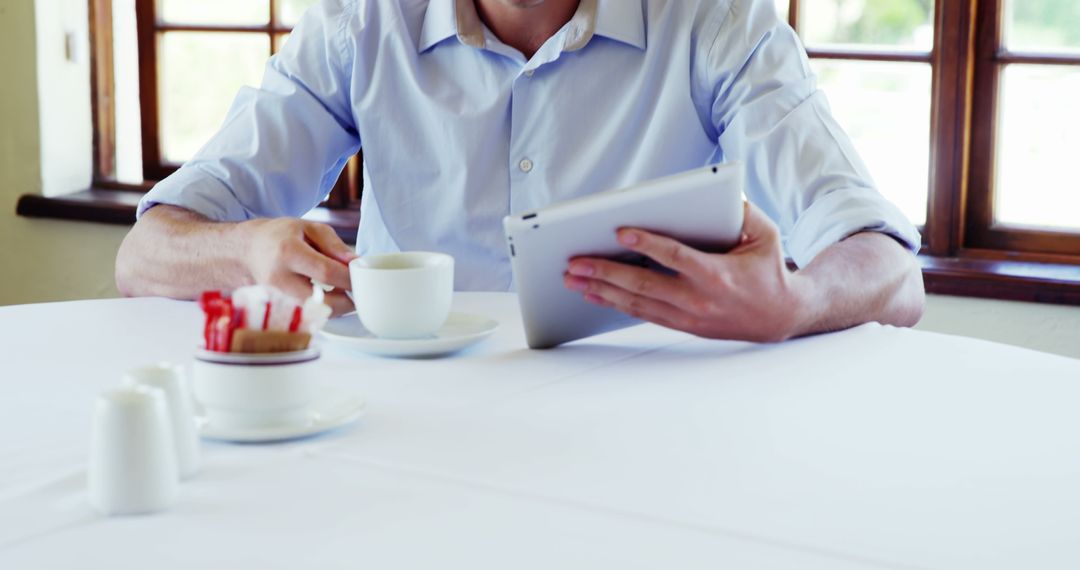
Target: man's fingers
{"points": [[644, 282], [305, 260], [294, 285], [664, 250], [339, 303], [298, 287], [645, 308], [325, 240]]}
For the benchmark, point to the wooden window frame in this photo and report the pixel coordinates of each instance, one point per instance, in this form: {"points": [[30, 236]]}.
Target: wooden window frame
{"points": [[149, 31], [945, 109], [990, 58], [102, 90], [965, 251], [967, 58], [347, 191]]}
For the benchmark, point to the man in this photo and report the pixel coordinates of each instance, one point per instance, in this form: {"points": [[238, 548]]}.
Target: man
{"points": [[471, 109]]}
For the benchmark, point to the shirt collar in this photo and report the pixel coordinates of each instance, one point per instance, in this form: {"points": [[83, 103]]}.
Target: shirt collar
{"points": [[620, 20], [448, 18]]}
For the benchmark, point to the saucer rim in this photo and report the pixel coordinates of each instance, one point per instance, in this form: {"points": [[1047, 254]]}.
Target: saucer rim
{"points": [[356, 409], [438, 345], [257, 359]]}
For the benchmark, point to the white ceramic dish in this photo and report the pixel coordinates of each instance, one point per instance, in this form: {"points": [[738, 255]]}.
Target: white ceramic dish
{"points": [[460, 330], [331, 409], [255, 391]]}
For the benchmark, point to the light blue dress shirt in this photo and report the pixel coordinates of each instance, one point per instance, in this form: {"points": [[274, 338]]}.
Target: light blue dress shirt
{"points": [[459, 129]]}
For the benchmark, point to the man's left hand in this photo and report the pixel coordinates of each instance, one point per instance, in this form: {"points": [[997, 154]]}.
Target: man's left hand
{"points": [[745, 294]]}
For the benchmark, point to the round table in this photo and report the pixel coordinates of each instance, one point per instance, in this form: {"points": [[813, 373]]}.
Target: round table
{"points": [[875, 447]]}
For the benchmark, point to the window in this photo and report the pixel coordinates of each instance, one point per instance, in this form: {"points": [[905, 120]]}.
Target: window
{"points": [[1024, 193], [871, 56], [964, 111], [192, 58]]}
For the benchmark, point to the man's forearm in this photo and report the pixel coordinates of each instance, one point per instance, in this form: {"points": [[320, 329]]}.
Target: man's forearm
{"points": [[173, 252], [867, 277]]}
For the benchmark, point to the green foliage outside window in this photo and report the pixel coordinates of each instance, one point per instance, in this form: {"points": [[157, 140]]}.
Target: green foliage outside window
{"points": [[1045, 23], [885, 21]]}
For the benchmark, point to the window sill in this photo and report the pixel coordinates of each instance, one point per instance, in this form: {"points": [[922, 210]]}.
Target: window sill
{"points": [[1004, 279], [970, 275], [118, 207]]}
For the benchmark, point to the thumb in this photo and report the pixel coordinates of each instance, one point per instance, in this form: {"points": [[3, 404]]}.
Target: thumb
{"points": [[340, 304], [757, 227]]}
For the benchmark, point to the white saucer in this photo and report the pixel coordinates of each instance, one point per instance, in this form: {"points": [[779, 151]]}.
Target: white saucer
{"points": [[460, 331], [331, 409]]}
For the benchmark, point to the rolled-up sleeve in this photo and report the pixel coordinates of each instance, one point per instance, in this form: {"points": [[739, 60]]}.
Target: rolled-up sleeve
{"points": [[767, 112], [283, 145]]}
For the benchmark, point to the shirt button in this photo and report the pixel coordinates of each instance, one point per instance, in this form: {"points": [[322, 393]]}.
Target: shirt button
{"points": [[525, 165], [529, 72]]}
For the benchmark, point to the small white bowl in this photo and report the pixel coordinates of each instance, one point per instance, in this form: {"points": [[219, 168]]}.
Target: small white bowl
{"points": [[253, 391]]}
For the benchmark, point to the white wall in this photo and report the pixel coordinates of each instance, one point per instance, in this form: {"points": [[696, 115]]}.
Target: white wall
{"points": [[40, 260], [63, 77], [1049, 328]]}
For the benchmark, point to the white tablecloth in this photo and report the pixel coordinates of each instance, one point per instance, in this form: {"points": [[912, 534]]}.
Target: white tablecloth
{"points": [[644, 448]]}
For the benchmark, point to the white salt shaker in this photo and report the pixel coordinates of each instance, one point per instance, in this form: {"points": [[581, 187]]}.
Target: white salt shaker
{"points": [[171, 380], [132, 467]]}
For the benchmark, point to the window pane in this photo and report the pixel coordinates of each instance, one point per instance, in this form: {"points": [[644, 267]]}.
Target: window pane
{"points": [[279, 41], [292, 10], [200, 76], [885, 108], [1038, 138], [223, 12], [1042, 25], [129, 167], [893, 23], [782, 7]]}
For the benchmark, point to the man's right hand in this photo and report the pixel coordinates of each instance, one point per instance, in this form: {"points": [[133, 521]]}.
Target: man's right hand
{"points": [[174, 252], [289, 253]]}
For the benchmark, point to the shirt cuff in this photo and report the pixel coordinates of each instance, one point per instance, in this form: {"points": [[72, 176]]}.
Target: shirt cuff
{"points": [[192, 189], [843, 213]]}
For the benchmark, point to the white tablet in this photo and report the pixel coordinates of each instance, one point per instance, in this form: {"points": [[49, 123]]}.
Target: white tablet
{"points": [[702, 208]]}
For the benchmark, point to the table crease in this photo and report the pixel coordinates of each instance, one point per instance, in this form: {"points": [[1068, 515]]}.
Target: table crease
{"points": [[613, 512]]}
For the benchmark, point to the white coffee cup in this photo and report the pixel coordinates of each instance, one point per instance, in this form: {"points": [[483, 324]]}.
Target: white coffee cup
{"points": [[403, 295], [171, 380], [132, 467], [255, 391]]}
